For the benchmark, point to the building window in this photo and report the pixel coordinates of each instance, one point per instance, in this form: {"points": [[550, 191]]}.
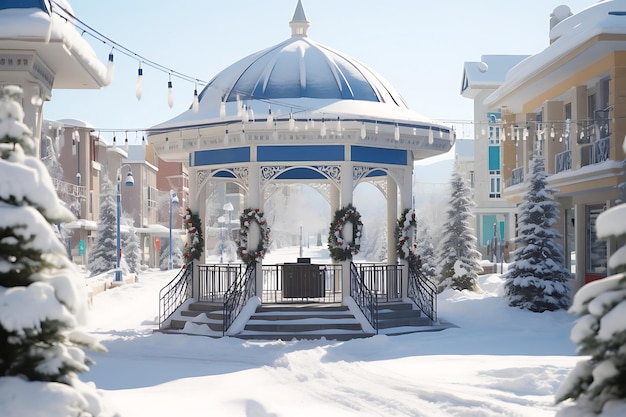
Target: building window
{"points": [[596, 249], [153, 195], [495, 182]]}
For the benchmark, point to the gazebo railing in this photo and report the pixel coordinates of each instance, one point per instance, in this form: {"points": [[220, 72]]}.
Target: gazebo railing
{"points": [[385, 281], [215, 280], [302, 283]]}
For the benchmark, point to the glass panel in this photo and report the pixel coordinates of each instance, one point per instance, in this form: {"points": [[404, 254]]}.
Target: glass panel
{"points": [[596, 249]]}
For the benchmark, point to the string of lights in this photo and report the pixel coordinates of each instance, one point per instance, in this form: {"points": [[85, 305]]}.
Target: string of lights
{"points": [[513, 130]]}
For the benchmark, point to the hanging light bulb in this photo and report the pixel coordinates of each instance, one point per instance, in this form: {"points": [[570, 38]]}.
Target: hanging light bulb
{"points": [[431, 136], [170, 93], [414, 131], [139, 88], [363, 131], [126, 142], [251, 114], [525, 134], [167, 143], [115, 141], [110, 69], [292, 122], [226, 137], [323, 128], [270, 118], [222, 109], [73, 147], [482, 131], [338, 124], [195, 104], [552, 132], [242, 135], [396, 132], [376, 128], [245, 116], [239, 106], [143, 140]]}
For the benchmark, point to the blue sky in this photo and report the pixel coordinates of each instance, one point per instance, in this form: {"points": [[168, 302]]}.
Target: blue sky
{"points": [[418, 46]]}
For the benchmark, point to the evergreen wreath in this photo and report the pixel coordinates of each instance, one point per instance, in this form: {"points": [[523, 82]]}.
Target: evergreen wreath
{"points": [[404, 246], [195, 242], [340, 250], [248, 216]]}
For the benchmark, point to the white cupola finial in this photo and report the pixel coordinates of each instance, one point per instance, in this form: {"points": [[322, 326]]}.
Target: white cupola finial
{"points": [[299, 25]]}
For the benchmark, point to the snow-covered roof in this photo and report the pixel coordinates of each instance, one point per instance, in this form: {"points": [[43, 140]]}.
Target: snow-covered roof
{"points": [[488, 73], [571, 35], [301, 76], [34, 25]]}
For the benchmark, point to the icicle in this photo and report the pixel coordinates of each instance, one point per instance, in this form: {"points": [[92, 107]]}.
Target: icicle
{"points": [[431, 136], [226, 137], [338, 125], [323, 129], [363, 131], [222, 109], [396, 132], [275, 133], [376, 128], [270, 118], [292, 122]]}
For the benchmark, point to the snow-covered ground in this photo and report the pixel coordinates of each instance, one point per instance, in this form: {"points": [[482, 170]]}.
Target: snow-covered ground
{"points": [[499, 361]]}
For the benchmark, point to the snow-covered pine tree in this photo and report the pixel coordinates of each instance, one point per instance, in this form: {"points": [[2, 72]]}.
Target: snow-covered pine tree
{"points": [[424, 248], [103, 256], [458, 258], [130, 246], [42, 295], [177, 254], [598, 384], [537, 279]]}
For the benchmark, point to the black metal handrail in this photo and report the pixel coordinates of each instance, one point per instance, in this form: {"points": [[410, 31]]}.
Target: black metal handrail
{"points": [[363, 297], [238, 294], [175, 293], [423, 292]]}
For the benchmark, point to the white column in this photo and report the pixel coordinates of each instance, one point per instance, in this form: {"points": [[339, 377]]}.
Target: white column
{"points": [[254, 201], [406, 195], [193, 206], [345, 199], [392, 218]]}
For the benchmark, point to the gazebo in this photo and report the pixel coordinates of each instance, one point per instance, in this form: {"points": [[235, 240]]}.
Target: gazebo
{"points": [[300, 112]]}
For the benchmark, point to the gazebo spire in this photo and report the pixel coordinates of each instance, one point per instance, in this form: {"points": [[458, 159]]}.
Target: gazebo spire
{"points": [[299, 25]]}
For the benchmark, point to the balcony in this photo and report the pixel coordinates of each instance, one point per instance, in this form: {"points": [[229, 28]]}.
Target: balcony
{"points": [[563, 161], [65, 190], [599, 151]]}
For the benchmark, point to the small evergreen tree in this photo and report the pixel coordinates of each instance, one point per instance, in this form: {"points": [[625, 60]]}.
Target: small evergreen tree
{"points": [[424, 248], [103, 257], [42, 296], [598, 384], [457, 255], [130, 246], [537, 279], [177, 254]]}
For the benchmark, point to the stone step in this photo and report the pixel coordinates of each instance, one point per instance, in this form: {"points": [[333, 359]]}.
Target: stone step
{"points": [[404, 322], [205, 306]]}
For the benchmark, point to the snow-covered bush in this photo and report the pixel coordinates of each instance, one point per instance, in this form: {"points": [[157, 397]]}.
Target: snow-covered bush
{"points": [[42, 295], [177, 254], [537, 279], [130, 246]]}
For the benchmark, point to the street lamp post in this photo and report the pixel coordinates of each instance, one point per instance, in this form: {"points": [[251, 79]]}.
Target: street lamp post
{"points": [[173, 202], [129, 182]]}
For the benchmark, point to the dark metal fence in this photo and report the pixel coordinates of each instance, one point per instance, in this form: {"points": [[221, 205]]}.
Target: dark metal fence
{"points": [[363, 297], [215, 280], [175, 293], [385, 281], [301, 283], [238, 295]]}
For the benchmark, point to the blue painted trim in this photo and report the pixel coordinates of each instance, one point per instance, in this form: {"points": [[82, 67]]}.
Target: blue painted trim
{"points": [[301, 174], [224, 174], [222, 156], [376, 173], [379, 155], [300, 153]]}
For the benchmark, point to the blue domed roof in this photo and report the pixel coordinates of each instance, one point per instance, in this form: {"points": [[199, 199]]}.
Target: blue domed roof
{"points": [[299, 68]]}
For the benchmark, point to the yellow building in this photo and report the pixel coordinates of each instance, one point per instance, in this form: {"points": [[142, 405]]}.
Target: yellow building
{"points": [[568, 103]]}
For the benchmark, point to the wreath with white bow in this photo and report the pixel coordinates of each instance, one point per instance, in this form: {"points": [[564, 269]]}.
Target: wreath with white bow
{"points": [[339, 246]]}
